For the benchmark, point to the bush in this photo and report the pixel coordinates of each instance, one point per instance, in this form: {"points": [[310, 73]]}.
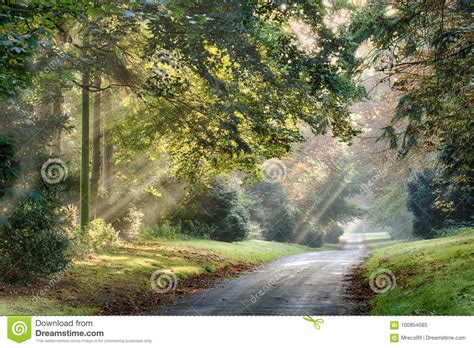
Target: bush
{"points": [[214, 212], [165, 231], [80, 244], [102, 235], [9, 172], [332, 234], [281, 230], [421, 202], [269, 209], [235, 226], [312, 239], [437, 204], [131, 224], [34, 244], [452, 231]]}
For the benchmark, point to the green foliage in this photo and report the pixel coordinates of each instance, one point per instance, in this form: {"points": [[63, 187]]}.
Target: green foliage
{"points": [[421, 202], [332, 234], [9, 168], [9, 172], [426, 190], [234, 227], [102, 235], [327, 205], [33, 239], [164, 231], [313, 237], [270, 210], [432, 71], [16, 44], [35, 245], [130, 224], [215, 212], [389, 210], [228, 86]]}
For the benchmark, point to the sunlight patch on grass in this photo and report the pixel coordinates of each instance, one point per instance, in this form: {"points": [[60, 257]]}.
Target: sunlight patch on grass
{"points": [[126, 271], [376, 236]]}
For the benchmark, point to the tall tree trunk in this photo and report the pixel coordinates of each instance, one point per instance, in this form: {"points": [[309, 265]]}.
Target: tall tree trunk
{"points": [[57, 101], [108, 147], [96, 155], [84, 180]]}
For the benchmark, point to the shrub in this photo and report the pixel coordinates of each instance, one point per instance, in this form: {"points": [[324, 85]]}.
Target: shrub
{"points": [[165, 231], [452, 231], [34, 244], [102, 235], [9, 172], [281, 230], [269, 209], [235, 226], [312, 239], [80, 244], [421, 202], [131, 224], [332, 234], [436, 204], [215, 212], [255, 231]]}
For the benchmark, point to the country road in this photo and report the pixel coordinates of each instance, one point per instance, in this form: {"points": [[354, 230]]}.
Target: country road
{"points": [[309, 283]]}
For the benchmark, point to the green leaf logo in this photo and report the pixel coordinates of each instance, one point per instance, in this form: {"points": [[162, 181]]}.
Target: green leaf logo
{"points": [[19, 328], [316, 322]]}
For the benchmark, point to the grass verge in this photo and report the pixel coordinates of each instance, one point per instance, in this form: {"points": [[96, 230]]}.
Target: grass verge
{"points": [[433, 277], [377, 240], [118, 281]]}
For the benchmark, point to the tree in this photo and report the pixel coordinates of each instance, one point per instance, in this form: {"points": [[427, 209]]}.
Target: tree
{"points": [[84, 195], [270, 209], [214, 64], [96, 144], [426, 190], [214, 211], [107, 143], [430, 67]]}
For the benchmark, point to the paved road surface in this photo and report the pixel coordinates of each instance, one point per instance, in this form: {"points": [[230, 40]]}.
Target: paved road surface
{"points": [[309, 283]]}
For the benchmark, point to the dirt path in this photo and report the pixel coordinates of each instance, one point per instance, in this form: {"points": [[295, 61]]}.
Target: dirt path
{"points": [[309, 283]]}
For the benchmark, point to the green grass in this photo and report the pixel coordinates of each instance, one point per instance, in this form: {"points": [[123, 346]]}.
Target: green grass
{"points": [[433, 277], [92, 284], [371, 236], [378, 240], [254, 251]]}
